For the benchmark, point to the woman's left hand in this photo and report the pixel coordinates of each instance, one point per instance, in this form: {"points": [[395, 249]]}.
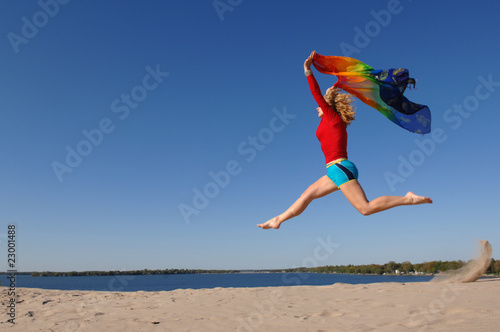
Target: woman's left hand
{"points": [[309, 60]]}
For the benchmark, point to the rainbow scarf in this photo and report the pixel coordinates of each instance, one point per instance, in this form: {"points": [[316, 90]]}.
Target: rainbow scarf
{"points": [[380, 89]]}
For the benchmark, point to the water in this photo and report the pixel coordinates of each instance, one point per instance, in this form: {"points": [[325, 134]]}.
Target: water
{"points": [[132, 283]]}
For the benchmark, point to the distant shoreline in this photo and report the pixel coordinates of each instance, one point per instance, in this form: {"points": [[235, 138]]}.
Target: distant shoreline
{"points": [[124, 273], [391, 268], [104, 273]]}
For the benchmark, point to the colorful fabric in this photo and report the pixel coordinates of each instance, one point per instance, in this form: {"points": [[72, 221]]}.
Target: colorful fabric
{"points": [[380, 89], [342, 172], [331, 132]]}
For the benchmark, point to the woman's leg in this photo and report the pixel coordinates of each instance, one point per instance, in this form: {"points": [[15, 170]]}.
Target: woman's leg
{"points": [[356, 195], [320, 188]]}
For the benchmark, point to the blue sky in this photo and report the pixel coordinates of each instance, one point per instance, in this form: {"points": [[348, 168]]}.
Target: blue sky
{"points": [[116, 115]]}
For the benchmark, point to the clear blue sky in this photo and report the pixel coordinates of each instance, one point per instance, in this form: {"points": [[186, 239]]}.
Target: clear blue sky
{"points": [[155, 96]]}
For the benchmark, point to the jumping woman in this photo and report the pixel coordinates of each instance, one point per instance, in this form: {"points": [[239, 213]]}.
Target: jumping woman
{"points": [[336, 112]]}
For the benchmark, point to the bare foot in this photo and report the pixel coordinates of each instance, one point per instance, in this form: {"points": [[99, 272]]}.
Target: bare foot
{"points": [[271, 223], [415, 199]]}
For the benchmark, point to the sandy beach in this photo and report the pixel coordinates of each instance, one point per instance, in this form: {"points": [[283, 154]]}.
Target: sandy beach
{"points": [[420, 306]]}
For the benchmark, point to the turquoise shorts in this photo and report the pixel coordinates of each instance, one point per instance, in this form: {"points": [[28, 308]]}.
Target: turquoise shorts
{"points": [[342, 172]]}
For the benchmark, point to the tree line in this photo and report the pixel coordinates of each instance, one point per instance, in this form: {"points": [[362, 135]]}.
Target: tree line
{"points": [[399, 268], [377, 269], [132, 272]]}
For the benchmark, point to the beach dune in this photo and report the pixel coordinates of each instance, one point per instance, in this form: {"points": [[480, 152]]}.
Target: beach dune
{"points": [[419, 306]]}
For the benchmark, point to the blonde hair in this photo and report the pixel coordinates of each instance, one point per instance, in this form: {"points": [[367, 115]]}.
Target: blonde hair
{"points": [[341, 103]]}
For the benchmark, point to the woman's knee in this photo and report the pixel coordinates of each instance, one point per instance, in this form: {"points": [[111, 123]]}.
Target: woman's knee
{"points": [[365, 210]]}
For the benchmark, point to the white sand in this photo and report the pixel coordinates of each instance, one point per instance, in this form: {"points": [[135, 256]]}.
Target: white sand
{"points": [[420, 306]]}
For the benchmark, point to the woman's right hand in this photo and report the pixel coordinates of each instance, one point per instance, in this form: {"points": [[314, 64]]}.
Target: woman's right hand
{"points": [[309, 60]]}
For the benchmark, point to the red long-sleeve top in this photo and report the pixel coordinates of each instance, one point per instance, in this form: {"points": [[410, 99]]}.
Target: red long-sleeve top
{"points": [[331, 132]]}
